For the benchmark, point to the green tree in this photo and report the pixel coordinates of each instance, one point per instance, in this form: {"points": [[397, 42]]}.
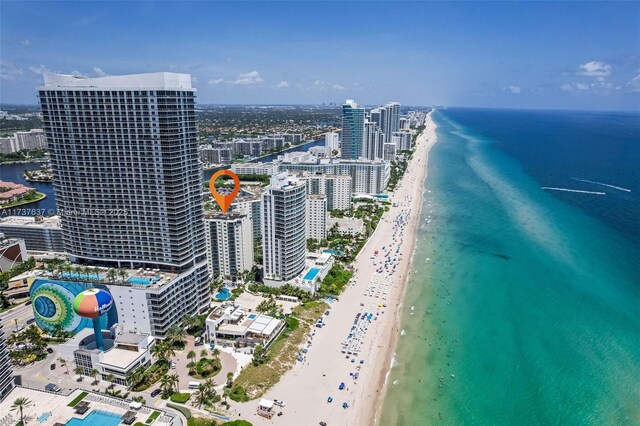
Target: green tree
{"points": [[20, 404], [79, 371]]}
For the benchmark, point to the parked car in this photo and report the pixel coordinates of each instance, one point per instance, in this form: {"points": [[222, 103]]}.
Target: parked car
{"points": [[155, 393], [53, 366], [199, 341], [31, 320], [173, 365], [52, 388], [49, 350], [279, 403]]}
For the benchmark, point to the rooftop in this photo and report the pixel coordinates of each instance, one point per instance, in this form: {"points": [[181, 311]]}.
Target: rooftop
{"points": [[150, 81], [28, 221]]}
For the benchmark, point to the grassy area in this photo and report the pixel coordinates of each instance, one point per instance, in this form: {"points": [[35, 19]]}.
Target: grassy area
{"points": [[77, 399], [254, 380], [180, 397], [152, 417], [27, 199]]}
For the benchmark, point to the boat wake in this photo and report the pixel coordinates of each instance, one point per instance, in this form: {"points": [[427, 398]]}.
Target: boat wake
{"points": [[619, 188], [551, 188]]}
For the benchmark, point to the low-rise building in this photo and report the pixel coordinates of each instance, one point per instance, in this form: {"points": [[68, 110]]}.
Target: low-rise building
{"points": [[346, 225], [124, 352], [39, 233], [230, 325], [11, 192], [267, 169], [13, 252]]}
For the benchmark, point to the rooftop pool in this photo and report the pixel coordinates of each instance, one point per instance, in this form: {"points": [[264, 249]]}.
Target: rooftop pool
{"points": [[143, 280], [79, 276], [311, 274], [96, 418]]}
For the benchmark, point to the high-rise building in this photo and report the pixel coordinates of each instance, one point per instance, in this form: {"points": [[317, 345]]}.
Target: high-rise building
{"points": [[390, 120], [331, 141], [373, 141], [229, 244], [405, 123], [317, 217], [337, 189], [284, 227], [250, 202], [6, 372], [352, 130], [390, 150], [128, 184]]}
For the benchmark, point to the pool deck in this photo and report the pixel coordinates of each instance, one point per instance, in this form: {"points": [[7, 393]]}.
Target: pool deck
{"points": [[43, 402]]}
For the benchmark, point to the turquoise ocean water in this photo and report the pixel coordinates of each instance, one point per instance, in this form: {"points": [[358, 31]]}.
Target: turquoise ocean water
{"points": [[527, 311]]}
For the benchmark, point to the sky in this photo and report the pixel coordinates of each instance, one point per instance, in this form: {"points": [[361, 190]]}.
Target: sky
{"points": [[549, 55]]}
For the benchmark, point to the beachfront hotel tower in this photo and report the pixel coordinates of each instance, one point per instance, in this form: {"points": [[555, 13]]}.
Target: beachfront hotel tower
{"points": [[6, 373], [284, 228], [128, 179], [352, 130]]}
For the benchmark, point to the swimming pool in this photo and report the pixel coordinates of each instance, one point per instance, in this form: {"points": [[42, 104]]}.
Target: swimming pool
{"points": [[223, 294], [311, 274], [96, 418], [252, 316], [143, 280], [79, 276]]}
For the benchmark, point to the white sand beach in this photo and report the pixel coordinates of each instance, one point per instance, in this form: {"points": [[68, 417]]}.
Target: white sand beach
{"points": [[378, 290]]}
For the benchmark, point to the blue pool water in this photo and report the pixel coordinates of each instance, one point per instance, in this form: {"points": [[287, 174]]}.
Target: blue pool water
{"points": [[96, 418], [252, 316], [223, 294], [143, 280], [78, 276], [311, 274]]}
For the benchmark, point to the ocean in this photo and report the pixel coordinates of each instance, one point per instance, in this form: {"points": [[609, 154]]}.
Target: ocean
{"points": [[524, 303]]}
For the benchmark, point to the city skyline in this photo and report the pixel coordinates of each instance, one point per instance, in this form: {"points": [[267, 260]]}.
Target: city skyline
{"points": [[556, 56]]}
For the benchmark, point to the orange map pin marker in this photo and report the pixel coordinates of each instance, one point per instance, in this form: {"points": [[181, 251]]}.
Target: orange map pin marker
{"points": [[224, 201]]}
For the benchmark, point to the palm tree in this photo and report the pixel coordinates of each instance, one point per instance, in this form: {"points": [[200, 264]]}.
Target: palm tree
{"points": [[176, 334], [204, 353], [229, 378], [79, 371], [175, 381], [135, 376], [94, 373], [191, 355], [63, 363], [111, 378], [167, 384], [191, 366], [19, 405]]}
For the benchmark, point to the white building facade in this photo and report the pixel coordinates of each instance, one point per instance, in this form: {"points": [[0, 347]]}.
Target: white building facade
{"points": [[317, 217], [284, 228], [229, 244]]}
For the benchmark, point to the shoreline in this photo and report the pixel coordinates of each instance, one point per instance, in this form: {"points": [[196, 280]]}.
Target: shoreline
{"points": [[306, 387], [431, 138]]}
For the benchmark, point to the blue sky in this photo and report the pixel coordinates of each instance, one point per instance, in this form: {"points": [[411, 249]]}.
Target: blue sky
{"points": [[576, 55]]}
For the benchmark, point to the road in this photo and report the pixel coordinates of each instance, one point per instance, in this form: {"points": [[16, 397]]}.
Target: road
{"points": [[22, 313]]}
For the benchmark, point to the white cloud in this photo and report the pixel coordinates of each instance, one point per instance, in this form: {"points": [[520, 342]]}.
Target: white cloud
{"points": [[99, 72], [76, 73], [337, 87], [595, 69], [317, 83], [283, 84], [248, 79], [9, 72], [215, 81], [39, 69], [515, 89], [25, 42], [581, 86], [566, 87]]}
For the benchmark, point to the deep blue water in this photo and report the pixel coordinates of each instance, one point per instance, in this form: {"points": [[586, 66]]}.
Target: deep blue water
{"points": [[564, 149]]}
